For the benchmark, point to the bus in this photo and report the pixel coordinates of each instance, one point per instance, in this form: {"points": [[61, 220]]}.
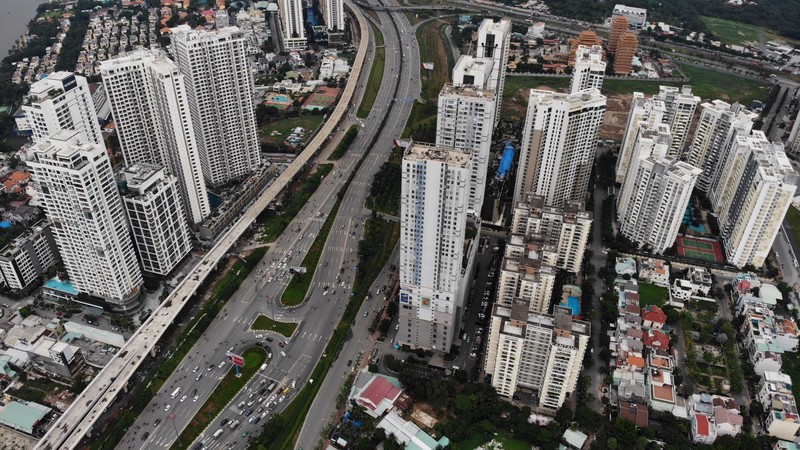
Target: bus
{"points": [[176, 393]]}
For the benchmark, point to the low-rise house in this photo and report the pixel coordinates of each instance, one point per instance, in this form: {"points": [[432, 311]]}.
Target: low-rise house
{"points": [[409, 434], [655, 271], [762, 325], [635, 412], [701, 280], [625, 266], [653, 317], [775, 394]]}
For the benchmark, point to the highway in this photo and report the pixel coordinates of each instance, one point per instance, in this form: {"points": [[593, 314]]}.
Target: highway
{"points": [[79, 419], [260, 292]]}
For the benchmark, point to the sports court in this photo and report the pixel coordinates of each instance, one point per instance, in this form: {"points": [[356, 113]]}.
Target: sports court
{"points": [[323, 97], [702, 249]]}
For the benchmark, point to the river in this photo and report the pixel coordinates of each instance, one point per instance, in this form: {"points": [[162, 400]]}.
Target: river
{"points": [[14, 18]]}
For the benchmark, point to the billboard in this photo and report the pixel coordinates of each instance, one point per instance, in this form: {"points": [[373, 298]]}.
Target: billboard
{"points": [[427, 65], [404, 298], [237, 360]]}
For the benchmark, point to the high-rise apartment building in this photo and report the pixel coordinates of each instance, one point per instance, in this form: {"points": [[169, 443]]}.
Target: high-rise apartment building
{"points": [[80, 198], [720, 122], [625, 51], [156, 217], [494, 39], [528, 272], [754, 192], [680, 105], [219, 86], [333, 14], [62, 101], [28, 256], [558, 145], [151, 110], [589, 70], [655, 191], [465, 120], [294, 32], [473, 71], [619, 25], [433, 214], [671, 106], [538, 353]]}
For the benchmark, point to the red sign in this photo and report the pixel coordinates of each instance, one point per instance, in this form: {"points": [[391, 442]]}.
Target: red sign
{"points": [[237, 360]]}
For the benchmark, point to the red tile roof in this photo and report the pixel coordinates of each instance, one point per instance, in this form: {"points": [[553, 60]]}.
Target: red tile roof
{"points": [[657, 339], [702, 425], [379, 389], [634, 412], [654, 314]]}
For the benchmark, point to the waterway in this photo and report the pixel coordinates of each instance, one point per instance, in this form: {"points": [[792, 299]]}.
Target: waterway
{"points": [[14, 18]]}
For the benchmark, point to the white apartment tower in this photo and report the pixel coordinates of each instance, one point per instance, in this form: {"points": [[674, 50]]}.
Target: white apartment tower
{"points": [[567, 229], [539, 352], [61, 101], [680, 105], [528, 273], [645, 113], [219, 86], [333, 14], [752, 197], [294, 32], [28, 256], [655, 191], [465, 120], [151, 109], [720, 122], [473, 71], [80, 197], [156, 217], [494, 39], [558, 145], [433, 214], [589, 69]]}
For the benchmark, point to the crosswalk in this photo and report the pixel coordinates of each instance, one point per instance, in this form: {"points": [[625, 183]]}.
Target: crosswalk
{"points": [[313, 337]]}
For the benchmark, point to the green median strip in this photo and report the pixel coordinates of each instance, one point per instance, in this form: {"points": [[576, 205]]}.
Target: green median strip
{"points": [[297, 289], [264, 323], [345, 143], [222, 395], [375, 76], [148, 388], [276, 220]]}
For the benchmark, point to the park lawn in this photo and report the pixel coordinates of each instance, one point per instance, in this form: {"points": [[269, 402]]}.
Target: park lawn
{"points": [[738, 33], [264, 323], [297, 289], [375, 75], [650, 294], [711, 85], [285, 126], [222, 395], [433, 49], [793, 217]]}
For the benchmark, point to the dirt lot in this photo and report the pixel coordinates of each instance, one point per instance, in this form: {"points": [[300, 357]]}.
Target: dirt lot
{"points": [[617, 109]]}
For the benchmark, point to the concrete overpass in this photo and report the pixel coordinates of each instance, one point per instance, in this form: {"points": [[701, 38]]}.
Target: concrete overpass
{"points": [[78, 420]]}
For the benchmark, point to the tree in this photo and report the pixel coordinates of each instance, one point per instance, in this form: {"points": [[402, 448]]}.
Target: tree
{"points": [[625, 432]]}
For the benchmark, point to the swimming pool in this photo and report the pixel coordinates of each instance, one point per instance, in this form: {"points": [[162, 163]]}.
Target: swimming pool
{"points": [[277, 98]]}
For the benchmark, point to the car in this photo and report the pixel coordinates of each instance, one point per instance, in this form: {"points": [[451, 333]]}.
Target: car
{"points": [[221, 364], [249, 412], [268, 339], [158, 421], [281, 399], [194, 392], [259, 336], [250, 403], [145, 435], [252, 394], [195, 369], [283, 354], [210, 367], [196, 398], [281, 344], [262, 391], [264, 414], [260, 409], [245, 434], [184, 398], [366, 313], [166, 408], [397, 327], [259, 399], [349, 362], [224, 422], [231, 349], [199, 375]]}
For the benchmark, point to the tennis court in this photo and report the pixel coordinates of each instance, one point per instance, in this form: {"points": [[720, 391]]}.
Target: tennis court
{"points": [[700, 249]]}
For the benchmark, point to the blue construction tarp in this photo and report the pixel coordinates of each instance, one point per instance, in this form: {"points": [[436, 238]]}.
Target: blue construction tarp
{"points": [[506, 161]]}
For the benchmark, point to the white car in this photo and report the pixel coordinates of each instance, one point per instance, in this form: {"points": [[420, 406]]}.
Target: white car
{"points": [[196, 397], [283, 353], [166, 408], [184, 398], [196, 368], [221, 364]]}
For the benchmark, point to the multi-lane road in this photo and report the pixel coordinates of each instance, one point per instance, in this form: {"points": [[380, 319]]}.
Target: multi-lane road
{"points": [[261, 291]]}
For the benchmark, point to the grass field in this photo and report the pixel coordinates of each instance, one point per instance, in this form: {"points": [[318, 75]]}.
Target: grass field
{"points": [[264, 323], [375, 75], [650, 294], [297, 289], [285, 126], [738, 33], [793, 216], [222, 394]]}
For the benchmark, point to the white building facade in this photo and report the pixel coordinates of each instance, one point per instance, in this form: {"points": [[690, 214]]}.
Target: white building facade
{"points": [[333, 14], [494, 39], [589, 69], [294, 32]]}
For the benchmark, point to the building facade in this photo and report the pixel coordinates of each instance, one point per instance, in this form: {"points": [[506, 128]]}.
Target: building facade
{"points": [[465, 120], [637, 17], [494, 39], [719, 123], [625, 52], [80, 198], [559, 142], [333, 14], [219, 86], [433, 214], [29, 256], [294, 31], [62, 101], [156, 216], [589, 70], [151, 110], [655, 191], [752, 197]]}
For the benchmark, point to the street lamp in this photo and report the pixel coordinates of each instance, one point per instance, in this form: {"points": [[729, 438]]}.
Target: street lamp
{"points": [[171, 417]]}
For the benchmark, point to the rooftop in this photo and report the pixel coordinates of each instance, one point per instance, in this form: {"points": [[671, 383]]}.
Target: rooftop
{"points": [[428, 152]]}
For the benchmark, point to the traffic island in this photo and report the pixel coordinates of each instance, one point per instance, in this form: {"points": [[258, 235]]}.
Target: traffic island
{"points": [[225, 391], [264, 323]]}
